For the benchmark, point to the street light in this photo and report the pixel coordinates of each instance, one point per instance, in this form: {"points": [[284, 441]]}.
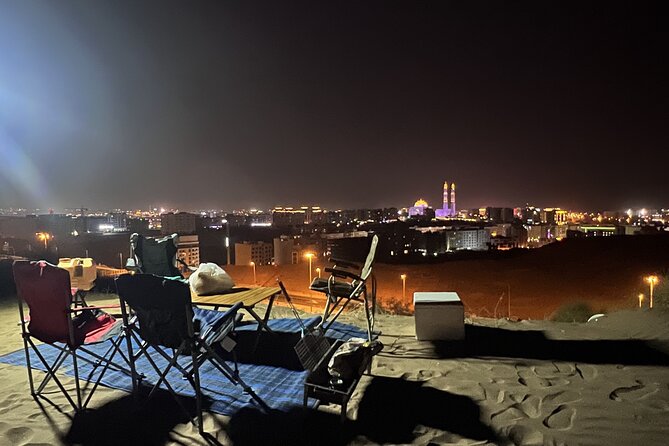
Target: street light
{"points": [[309, 255], [640, 299], [652, 281], [253, 264], [404, 286], [318, 272]]}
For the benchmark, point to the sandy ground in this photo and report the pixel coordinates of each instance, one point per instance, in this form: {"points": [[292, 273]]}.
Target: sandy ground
{"points": [[528, 382]]}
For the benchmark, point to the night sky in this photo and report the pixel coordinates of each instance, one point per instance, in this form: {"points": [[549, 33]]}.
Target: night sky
{"points": [[232, 104]]}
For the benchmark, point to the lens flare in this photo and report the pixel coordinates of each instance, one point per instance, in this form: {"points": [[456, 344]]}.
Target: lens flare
{"points": [[20, 170]]}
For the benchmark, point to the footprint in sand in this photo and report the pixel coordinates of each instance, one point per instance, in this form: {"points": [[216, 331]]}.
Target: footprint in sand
{"points": [[503, 371], [531, 406], [632, 393], [525, 436], [518, 397], [9, 403], [530, 379], [587, 372], [561, 418], [565, 368], [564, 397], [428, 374], [17, 435], [508, 415], [421, 375], [546, 371]]}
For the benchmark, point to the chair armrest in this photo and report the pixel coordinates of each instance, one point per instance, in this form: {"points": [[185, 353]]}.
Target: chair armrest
{"points": [[101, 307], [223, 326], [342, 273], [344, 263]]}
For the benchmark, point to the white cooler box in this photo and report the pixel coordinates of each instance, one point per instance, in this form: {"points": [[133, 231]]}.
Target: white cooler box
{"points": [[439, 316], [83, 272]]}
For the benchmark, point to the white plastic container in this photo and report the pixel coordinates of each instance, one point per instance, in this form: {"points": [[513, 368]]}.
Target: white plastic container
{"points": [[439, 316], [82, 272]]}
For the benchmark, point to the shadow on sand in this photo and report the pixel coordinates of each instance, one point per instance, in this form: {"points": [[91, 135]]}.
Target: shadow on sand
{"points": [[389, 412], [532, 344], [131, 420]]}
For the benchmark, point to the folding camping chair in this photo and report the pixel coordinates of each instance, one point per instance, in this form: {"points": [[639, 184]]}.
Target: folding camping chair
{"points": [[344, 285], [55, 320], [165, 319], [155, 255]]}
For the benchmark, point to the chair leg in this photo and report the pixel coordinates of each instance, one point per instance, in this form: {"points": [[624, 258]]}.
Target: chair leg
{"points": [[198, 391], [56, 365], [30, 370], [116, 345], [76, 378], [131, 359], [51, 374]]}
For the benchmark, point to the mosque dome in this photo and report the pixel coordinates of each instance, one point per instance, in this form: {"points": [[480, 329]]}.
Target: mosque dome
{"points": [[421, 203]]}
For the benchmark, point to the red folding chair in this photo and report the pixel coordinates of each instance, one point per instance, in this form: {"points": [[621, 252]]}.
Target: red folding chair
{"points": [[54, 320]]}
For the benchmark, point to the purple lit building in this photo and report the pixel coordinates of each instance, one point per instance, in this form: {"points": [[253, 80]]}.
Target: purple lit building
{"points": [[448, 211]]}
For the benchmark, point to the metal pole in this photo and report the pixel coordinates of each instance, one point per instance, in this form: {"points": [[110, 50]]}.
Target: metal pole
{"points": [[227, 241], [309, 283], [509, 289]]}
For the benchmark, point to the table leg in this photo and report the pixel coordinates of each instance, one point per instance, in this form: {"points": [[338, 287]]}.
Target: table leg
{"points": [[262, 323]]}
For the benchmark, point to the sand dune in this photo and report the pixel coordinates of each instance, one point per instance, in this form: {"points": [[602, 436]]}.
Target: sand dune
{"points": [[522, 383]]}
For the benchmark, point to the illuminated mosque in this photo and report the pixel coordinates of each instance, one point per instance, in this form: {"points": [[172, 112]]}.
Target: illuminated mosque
{"points": [[449, 202], [448, 210], [418, 208]]}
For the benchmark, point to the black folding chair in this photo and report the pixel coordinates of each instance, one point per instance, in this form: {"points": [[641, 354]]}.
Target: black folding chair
{"points": [[165, 319], [344, 286], [55, 320], [157, 256]]}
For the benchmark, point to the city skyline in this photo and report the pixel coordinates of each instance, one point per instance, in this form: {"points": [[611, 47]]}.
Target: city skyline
{"points": [[349, 105]]}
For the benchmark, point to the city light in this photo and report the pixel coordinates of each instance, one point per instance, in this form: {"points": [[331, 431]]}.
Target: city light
{"points": [[652, 281], [44, 237], [255, 281], [318, 272], [404, 286], [309, 255], [640, 299]]}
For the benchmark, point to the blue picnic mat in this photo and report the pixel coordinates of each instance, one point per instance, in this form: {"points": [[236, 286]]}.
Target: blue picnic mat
{"points": [[337, 331], [280, 388]]}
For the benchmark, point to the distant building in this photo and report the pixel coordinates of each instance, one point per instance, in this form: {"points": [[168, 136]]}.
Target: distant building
{"points": [[259, 219], [530, 215], [298, 216], [420, 208], [260, 253], [138, 225], [561, 216], [474, 239], [597, 230], [284, 251], [235, 220], [553, 216], [448, 210], [118, 220], [188, 249], [499, 215], [181, 223]]}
